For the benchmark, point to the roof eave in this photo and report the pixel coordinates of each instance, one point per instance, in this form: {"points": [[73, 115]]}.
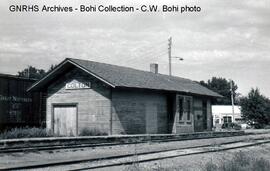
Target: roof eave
{"points": [[67, 60], [91, 73], [47, 75], [175, 91]]}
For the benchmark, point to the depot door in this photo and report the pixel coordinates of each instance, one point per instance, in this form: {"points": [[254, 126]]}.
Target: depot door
{"points": [[204, 109], [65, 120], [200, 120], [151, 119]]}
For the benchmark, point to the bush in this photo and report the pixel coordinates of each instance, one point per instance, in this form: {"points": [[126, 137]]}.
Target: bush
{"points": [[267, 127], [240, 162], [257, 125], [25, 133], [92, 132]]}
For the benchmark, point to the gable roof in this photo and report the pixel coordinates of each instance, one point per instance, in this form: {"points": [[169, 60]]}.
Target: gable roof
{"points": [[124, 77]]}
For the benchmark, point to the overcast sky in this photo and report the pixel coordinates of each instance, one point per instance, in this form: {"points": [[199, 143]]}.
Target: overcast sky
{"points": [[228, 38]]}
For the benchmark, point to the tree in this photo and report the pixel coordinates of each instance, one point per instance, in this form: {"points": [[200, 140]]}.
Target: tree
{"points": [[32, 72], [221, 86], [255, 108], [51, 67]]}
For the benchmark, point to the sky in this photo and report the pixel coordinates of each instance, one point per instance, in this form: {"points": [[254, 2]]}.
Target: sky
{"points": [[228, 38]]}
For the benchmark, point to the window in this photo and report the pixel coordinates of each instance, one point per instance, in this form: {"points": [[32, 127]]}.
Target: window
{"points": [[181, 105], [238, 119], [185, 108], [227, 119]]}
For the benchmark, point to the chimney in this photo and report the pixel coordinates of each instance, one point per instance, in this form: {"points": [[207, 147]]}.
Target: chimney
{"points": [[154, 68]]}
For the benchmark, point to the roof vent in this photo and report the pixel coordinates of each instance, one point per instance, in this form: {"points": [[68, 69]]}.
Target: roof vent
{"points": [[154, 68]]}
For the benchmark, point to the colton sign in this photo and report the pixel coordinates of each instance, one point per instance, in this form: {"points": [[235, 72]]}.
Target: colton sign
{"points": [[77, 85]]}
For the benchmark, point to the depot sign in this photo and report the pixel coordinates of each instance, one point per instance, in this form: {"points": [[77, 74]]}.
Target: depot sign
{"points": [[77, 85]]}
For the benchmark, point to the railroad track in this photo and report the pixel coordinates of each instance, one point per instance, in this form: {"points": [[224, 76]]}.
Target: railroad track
{"points": [[85, 145], [48, 145], [141, 158], [76, 146], [127, 159]]}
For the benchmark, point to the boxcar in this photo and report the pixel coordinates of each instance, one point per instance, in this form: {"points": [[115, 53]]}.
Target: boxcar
{"points": [[18, 108]]}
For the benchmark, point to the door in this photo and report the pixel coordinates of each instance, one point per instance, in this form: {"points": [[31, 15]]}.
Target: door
{"points": [[200, 113], [205, 115], [151, 119], [65, 120], [198, 120]]}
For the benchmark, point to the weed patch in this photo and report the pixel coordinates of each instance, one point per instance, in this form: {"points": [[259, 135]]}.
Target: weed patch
{"points": [[240, 162], [25, 133], [92, 132]]}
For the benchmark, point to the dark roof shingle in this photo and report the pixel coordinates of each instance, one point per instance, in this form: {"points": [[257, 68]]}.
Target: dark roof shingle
{"points": [[132, 78]]}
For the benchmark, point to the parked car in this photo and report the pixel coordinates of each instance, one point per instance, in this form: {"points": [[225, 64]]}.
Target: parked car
{"points": [[231, 126]]}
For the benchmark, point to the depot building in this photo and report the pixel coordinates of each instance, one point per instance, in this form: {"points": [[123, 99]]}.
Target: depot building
{"points": [[113, 99]]}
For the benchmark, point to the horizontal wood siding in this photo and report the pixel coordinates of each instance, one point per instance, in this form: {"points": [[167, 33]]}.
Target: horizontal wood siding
{"points": [[132, 108], [93, 104]]}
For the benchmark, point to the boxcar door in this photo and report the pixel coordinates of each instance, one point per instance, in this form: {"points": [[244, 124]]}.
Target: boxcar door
{"points": [[65, 120]]}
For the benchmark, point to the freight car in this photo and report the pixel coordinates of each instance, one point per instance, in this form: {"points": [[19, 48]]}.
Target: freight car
{"points": [[18, 108]]}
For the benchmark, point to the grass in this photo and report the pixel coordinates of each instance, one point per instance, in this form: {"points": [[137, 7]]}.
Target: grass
{"points": [[158, 167], [239, 162], [92, 132], [25, 133], [28, 132]]}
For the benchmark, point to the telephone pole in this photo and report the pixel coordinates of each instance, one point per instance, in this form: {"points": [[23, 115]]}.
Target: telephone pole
{"points": [[232, 99], [170, 55]]}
